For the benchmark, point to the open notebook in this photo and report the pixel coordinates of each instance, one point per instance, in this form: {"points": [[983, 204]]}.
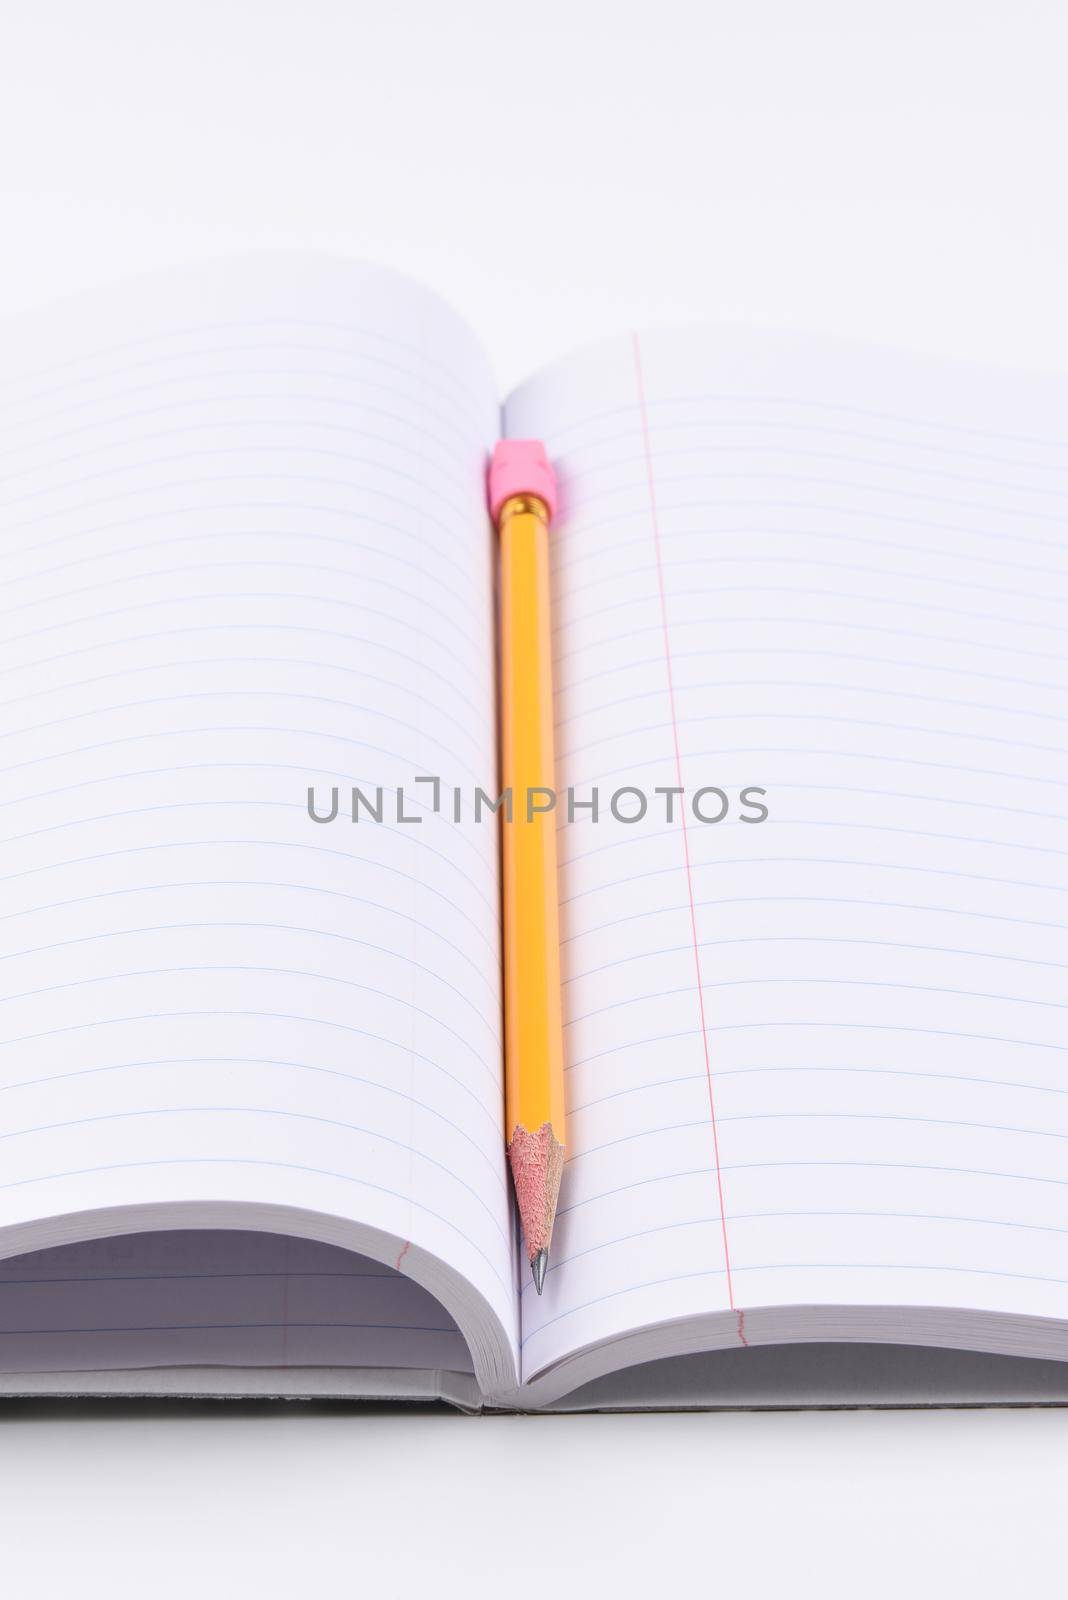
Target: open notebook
{"points": [[250, 1064]]}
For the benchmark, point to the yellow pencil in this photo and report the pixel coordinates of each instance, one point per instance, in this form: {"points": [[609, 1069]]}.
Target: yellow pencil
{"points": [[522, 500]]}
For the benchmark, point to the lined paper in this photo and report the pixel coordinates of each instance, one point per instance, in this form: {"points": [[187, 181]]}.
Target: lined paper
{"points": [[245, 551], [216, 1298], [840, 576]]}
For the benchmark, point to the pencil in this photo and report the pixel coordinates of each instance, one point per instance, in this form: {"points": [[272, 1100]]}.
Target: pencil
{"points": [[522, 501]]}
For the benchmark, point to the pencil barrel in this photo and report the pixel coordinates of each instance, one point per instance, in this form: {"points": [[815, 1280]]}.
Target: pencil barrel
{"points": [[533, 1016]]}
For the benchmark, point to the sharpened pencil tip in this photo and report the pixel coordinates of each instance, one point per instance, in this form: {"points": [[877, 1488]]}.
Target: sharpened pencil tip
{"points": [[538, 1267]]}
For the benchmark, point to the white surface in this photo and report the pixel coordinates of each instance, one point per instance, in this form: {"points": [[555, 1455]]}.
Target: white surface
{"points": [[886, 170], [852, 1503]]}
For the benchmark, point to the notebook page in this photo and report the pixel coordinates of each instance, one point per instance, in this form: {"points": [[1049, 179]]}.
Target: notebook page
{"points": [[817, 1059], [245, 552]]}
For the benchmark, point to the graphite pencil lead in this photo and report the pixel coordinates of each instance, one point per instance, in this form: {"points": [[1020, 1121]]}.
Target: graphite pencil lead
{"points": [[538, 1267]]}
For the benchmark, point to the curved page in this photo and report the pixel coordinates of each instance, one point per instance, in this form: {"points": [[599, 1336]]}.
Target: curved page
{"points": [[245, 552]]}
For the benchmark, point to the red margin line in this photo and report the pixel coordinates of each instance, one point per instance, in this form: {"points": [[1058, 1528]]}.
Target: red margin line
{"points": [[655, 520]]}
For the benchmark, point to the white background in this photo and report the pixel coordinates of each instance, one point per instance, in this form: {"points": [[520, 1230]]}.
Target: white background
{"points": [[894, 171]]}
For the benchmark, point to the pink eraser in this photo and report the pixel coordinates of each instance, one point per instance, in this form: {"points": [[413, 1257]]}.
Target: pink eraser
{"points": [[520, 466]]}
